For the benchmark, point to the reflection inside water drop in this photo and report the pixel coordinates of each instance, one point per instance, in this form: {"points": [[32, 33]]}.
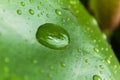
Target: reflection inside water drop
{"points": [[52, 36]]}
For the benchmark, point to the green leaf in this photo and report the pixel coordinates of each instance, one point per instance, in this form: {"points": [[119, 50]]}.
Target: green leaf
{"points": [[25, 54]]}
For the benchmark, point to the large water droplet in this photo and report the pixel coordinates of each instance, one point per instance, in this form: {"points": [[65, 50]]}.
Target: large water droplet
{"points": [[96, 77], [58, 12], [19, 12], [52, 36], [31, 11]]}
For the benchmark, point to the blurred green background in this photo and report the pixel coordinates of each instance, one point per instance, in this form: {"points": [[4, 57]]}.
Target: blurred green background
{"points": [[108, 18]]}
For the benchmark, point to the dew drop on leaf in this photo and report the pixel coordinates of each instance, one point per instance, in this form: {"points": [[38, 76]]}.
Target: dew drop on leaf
{"points": [[30, 1], [53, 36], [86, 60], [107, 60], [101, 66], [63, 64], [6, 59], [51, 68], [19, 12], [96, 77], [31, 11], [58, 12], [38, 7], [79, 50], [104, 36], [96, 50], [22, 3], [34, 61], [50, 75]]}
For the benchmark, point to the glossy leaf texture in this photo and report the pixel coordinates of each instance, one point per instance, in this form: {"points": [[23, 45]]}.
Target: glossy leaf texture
{"points": [[23, 56]]}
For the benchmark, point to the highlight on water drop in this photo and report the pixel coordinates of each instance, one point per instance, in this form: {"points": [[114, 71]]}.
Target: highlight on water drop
{"points": [[53, 36]]}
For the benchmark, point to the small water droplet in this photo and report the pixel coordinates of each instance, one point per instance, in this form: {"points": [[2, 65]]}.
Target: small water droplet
{"points": [[40, 3], [115, 67], [30, 1], [101, 66], [111, 56], [22, 3], [102, 48], [6, 59], [47, 15], [42, 71], [96, 77], [94, 40], [108, 60], [38, 15], [115, 71], [38, 7], [79, 50], [34, 61], [50, 75], [68, 19], [63, 64], [72, 2], [52, 36], [63, 20], [51, 68], [104, 36], [101, 72], [96, 50], [31, 11], [19, 12], [103, 60], [58, 12], [86, 60], [41, 13], [77, 11], [106, 49]]}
